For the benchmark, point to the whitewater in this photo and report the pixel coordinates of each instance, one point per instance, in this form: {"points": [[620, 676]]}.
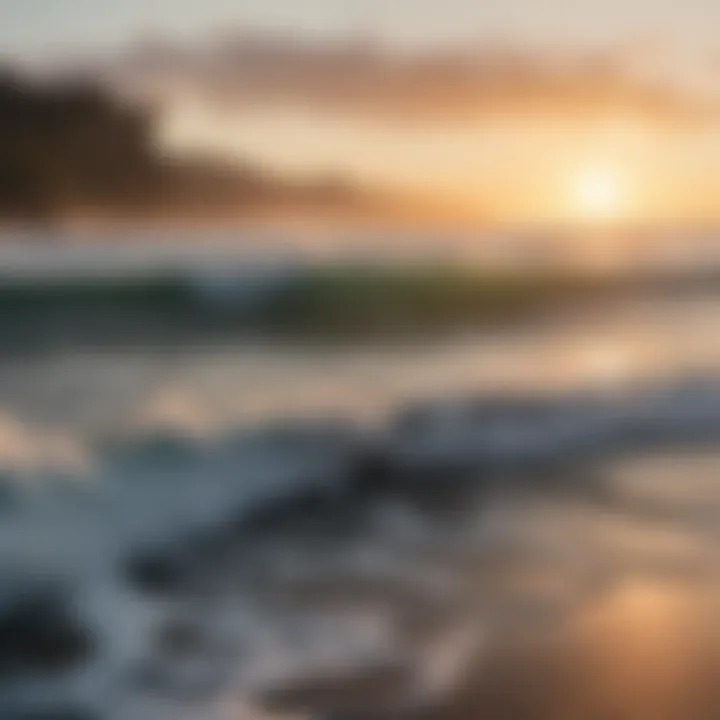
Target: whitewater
{"points": [[500, 522]]}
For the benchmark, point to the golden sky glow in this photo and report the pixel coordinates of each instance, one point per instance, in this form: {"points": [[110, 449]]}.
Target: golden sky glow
{"points": [[524, 168], [526, 142], [599, 193], [570, 111]]}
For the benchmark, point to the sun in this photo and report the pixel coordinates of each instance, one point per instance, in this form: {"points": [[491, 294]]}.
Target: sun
{"points": [[599, 193]]}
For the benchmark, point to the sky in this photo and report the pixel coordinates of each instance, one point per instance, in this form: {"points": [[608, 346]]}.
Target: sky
{"points": [[29, 27], [644, 167]]}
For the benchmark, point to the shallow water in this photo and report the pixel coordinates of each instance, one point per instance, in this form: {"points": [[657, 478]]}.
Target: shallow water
{"points": [[248, 528]]}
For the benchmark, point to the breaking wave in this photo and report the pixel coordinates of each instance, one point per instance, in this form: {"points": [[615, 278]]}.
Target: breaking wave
{"points": [[486, 556]]}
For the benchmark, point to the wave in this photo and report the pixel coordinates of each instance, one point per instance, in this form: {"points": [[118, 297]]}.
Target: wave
{"points": [[303, 299], [337, 300], [327, 568]]}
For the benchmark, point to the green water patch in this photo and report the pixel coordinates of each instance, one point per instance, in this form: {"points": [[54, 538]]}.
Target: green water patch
{"points": [[351, 300], [313, 302]]}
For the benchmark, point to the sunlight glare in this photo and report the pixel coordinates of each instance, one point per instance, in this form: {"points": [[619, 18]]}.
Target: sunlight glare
{"points": [[599, 193]]}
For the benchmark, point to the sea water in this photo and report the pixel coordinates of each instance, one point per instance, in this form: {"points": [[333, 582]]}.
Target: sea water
{"points": [[516, 520]]}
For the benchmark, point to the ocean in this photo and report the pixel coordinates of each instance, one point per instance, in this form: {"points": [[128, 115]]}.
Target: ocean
{"points": [[362, 506]]}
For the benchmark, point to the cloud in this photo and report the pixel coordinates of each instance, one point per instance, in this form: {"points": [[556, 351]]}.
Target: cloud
{"points": [[365, 79]]}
